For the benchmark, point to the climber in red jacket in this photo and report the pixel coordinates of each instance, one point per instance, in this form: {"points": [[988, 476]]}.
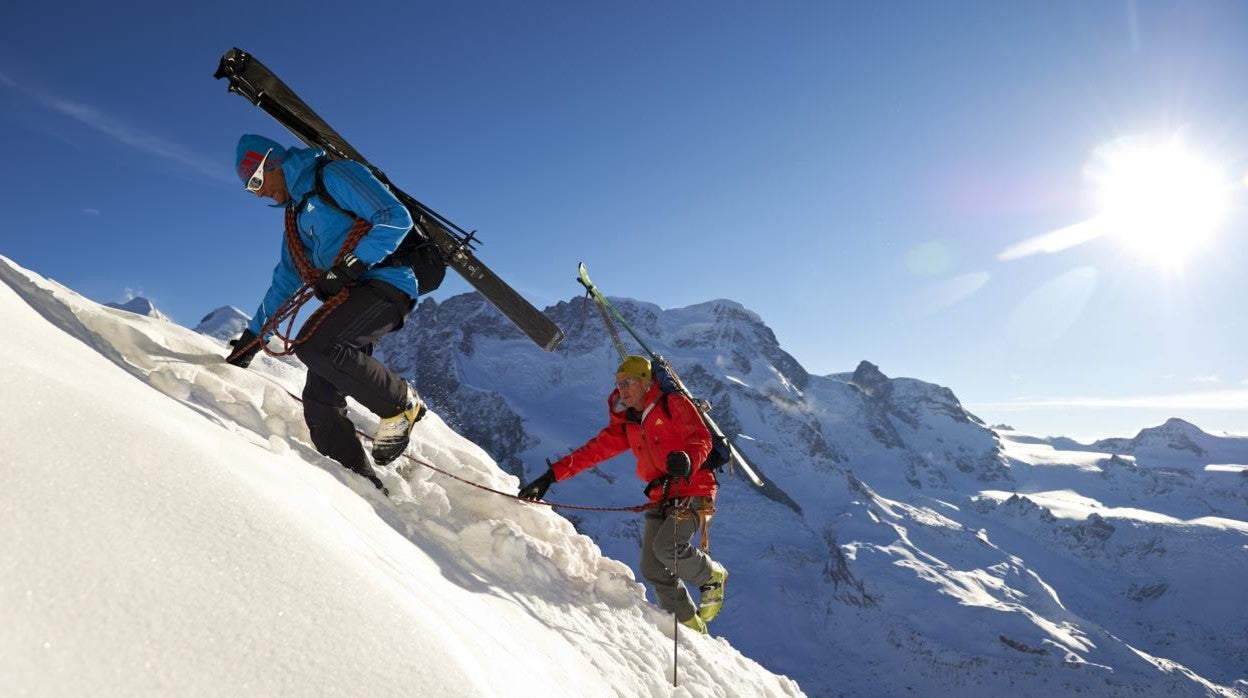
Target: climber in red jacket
{"points": [[667, 436]]}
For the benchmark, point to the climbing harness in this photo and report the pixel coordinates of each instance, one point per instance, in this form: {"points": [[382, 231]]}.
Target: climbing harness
{"points": [[683, 510]]}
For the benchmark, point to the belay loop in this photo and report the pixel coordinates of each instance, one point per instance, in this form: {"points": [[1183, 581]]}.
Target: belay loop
{"points": [[289, 310]]}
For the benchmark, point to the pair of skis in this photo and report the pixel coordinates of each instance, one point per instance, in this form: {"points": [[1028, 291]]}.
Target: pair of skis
{"points": [[607, 310]]}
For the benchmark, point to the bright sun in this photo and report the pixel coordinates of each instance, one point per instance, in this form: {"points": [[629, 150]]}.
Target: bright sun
{"points": [[1162, 201]]}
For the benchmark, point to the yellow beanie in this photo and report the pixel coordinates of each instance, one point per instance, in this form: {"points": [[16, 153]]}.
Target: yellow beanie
{"points": [[636, 366]]}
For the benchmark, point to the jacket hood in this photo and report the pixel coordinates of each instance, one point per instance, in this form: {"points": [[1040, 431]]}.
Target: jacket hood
{"points": [[299, 170]]}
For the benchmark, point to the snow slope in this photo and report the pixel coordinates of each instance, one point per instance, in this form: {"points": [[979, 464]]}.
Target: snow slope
{"points": [[168, 531]]}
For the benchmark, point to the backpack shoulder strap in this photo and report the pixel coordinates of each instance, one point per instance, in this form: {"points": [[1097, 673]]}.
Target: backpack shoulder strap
{"points": [[318, 186]]}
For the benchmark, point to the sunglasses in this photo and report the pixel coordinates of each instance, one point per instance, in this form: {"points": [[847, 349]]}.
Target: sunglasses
{"points": [[625, 382], [257, 178]]}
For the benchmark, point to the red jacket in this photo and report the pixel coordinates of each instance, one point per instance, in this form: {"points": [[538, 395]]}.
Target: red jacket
{"points": [[651, 439]]}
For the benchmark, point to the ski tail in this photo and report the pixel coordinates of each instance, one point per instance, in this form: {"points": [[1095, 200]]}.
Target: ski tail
{"points": [[260, 86]]}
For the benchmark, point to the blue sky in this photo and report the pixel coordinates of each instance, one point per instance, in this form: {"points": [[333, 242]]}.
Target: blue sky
{"points": [[855, 173]]}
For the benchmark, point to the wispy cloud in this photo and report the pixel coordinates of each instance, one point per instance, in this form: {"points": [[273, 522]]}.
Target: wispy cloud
{"points": [[1206, 379], [123, 132], [1235, 399], [91, 211]]}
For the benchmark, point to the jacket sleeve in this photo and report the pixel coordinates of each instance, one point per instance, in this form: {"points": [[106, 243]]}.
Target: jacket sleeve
{"points": [[611, 441], [285, 282], [695, 435], [355, 189]]}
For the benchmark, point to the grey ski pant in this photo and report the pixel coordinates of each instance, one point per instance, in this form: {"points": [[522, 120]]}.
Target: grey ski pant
{"points": [[668, 559], [339, 357]]}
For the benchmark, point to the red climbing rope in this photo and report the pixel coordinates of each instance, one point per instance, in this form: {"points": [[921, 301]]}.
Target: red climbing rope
{"points": [[289, 310], [431, 466]]}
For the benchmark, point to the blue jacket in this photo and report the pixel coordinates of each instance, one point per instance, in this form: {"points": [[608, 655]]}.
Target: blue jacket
{"points": [[323, 228]]}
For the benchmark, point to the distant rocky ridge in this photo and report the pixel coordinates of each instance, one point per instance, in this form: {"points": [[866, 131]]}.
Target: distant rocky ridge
{"points": [[462, 355]]}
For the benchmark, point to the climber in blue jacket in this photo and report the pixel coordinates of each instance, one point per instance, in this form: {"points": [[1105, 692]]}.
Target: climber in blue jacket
{"points": [[338, 351]]}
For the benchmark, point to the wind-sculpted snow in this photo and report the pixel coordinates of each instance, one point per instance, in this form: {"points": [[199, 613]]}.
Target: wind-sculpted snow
{"points": [[169, 531], [901, 546]]}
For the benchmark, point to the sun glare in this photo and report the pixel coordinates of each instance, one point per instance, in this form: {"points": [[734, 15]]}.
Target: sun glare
{"points": [[1161, 200]]}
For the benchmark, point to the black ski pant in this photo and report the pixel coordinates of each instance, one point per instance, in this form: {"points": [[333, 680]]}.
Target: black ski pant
{"points": [[339, 357], [668, 558]]}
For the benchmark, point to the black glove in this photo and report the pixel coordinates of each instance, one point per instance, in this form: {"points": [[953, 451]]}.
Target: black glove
{"points": [[243, 360], [678, 465], [537, 489], [338, 277]]}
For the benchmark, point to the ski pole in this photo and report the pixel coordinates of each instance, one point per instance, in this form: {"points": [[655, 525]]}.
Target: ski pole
{"points": [[667, 486]]}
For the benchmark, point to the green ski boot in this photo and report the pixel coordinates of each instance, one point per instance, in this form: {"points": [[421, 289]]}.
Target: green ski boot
{"points": [[695, 624], [711, 594]]}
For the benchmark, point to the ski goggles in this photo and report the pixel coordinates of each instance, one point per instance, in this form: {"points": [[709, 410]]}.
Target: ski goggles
{"points": [[257, 178]]}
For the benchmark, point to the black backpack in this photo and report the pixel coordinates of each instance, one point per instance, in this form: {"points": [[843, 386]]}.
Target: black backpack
{"points": [[416, 250], [720, 452]]}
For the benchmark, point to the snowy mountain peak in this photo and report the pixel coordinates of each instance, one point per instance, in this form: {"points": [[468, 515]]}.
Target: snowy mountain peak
{"points": [[869, 378], [1174, 437], [139, 306], [224, 323], [912, 399], [723, 311], [1177, 426]]}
